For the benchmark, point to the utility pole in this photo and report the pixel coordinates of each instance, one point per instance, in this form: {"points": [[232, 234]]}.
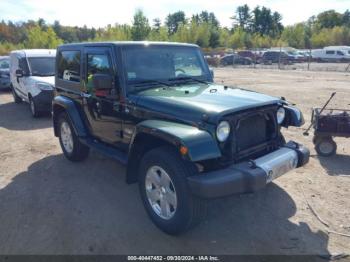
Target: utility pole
{"points": [[279, 57]]}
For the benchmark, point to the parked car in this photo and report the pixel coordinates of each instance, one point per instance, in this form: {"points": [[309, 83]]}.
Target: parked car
{"points": [[254, 56], [307, 55], [236, 59], [5, 82], [330, 55], [270, 57], [297, 57], [184, 139], [32, 78]]}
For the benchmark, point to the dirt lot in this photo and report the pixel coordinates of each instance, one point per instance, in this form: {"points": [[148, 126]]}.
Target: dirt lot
{"points": [[328, 67], [51, 206]]}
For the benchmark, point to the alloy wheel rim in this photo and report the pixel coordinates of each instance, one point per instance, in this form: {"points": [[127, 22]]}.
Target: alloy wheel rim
{"points": [[161, 193], [66, 136]]}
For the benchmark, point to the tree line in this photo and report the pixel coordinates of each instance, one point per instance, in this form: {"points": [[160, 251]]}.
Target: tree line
{"points": [[251, 28]]}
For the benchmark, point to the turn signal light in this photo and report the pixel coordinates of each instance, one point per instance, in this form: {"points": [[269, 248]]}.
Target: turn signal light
{"points": [[183, 150]]}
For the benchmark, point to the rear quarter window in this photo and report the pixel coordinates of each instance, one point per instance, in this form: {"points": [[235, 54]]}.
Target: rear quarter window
{"points": [[68, 65]]}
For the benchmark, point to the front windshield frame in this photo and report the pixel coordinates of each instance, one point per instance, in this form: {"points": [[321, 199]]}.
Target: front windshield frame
{"points": [[132, 85], [34, 73]]}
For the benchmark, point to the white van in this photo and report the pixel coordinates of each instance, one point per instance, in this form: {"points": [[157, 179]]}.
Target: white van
{"points": [[32, 74], [343, 48], [330, 54]]}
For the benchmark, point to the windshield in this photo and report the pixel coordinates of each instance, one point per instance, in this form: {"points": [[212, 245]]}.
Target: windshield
{"points": [[163, 64], [4, 63], [42, 66]]}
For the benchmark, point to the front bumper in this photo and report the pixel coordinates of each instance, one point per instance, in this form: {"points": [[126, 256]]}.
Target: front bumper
{"points": [[43, 100], [249, 176]]}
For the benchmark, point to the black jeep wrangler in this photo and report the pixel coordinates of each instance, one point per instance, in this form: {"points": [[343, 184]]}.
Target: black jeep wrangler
{"points": [[155, 108]]}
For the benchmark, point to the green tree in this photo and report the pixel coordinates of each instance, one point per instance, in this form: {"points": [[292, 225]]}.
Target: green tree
{"points": [[346, 18], [243, 17], [140, 27], [214, 39], [240, 39], [156, 24], [159, 34], [265, 22], [329, 19], [52, 41], [295, 35], [114, 33], [173, 21], [276, 27], [39, 38]]}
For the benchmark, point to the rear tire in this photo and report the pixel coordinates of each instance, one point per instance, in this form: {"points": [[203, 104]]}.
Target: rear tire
{"points": [[165, 164], [16, 98], [72, 148], [326, 147]]}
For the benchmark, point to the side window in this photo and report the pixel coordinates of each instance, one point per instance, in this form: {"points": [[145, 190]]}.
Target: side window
{"points": [[69, 66], [330, 52], [96, 64], [340, 53], [22, 64]]}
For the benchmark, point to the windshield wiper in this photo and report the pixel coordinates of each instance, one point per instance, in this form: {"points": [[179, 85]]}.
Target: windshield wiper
{"points": [[141, 85], [150, 81], [186, 78], [37, 74]]}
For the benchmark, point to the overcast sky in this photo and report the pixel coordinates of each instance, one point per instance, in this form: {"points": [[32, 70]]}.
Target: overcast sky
{"points": [[102, 12]]}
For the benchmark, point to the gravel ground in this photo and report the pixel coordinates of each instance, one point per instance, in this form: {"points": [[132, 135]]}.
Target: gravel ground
{"points": [[49, 205], [320, 67]]}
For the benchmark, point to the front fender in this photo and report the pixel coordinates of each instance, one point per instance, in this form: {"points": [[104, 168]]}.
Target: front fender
{"points": [[200, 144], [294, 117], [62, 103]]}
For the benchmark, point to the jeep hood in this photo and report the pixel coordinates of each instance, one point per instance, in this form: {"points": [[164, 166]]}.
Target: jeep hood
{"points": [[194, 103]]}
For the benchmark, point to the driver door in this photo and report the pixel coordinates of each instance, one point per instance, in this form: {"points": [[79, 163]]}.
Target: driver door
{"points": [[99, 103]]}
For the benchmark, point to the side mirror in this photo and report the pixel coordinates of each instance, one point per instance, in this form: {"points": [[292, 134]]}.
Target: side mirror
{"points": [[211, 72], [19, 73], [102, 81]]}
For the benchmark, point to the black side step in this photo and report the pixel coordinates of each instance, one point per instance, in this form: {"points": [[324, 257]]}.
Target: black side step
{"points": [[107, 150]]}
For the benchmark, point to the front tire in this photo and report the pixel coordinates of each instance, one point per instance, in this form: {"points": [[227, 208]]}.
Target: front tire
{"points": [[72, 148], [164, 191]]}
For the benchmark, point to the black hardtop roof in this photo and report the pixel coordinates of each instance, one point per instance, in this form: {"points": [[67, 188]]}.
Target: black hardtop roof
{"points": [[126, 43]]}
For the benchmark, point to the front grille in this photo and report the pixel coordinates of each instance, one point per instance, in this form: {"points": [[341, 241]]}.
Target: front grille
{"points": [[254, 133], [251, 131]]}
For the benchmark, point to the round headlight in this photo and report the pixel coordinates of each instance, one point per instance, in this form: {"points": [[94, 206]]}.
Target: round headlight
{"points": [[281, 114], [223, 131]]}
